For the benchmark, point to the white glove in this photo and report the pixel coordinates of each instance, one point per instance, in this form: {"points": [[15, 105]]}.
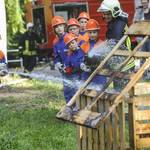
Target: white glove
{"points": [[59, 66], [137, 64], [83, 67]]}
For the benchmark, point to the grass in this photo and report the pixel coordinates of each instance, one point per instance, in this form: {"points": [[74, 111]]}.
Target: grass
{"points": [[27, 118]]}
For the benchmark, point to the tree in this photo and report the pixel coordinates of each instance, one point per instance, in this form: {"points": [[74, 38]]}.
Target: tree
{"points": [[15, 19]]}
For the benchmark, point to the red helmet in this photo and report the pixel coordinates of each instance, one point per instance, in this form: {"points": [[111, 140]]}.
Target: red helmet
{"points": [[84, 15], [92, 24], [57, 20], [73, 21], [69, 37]]}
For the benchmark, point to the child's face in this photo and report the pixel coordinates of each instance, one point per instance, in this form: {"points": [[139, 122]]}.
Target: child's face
{"points": [[83, 23], [74, 29], [60, 29], [73, 45], [93, 34]]}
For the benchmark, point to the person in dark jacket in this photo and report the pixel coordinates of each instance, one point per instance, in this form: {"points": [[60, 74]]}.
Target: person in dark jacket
{"points": [[28, 48], [117, 22]]}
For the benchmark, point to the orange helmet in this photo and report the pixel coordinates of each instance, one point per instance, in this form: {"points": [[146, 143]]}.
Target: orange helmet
{"points": [[92, 24], [69, 37], [84, 15], [73, 21], [1, 55], [57, 20]]}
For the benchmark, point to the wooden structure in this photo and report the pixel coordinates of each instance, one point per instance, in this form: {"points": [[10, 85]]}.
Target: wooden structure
{"points": [[101, 114]]}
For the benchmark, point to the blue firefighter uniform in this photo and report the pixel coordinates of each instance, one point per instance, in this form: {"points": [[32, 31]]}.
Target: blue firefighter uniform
{"points": [[60, 56], [73, 73], [60, 50], [86, 47]]}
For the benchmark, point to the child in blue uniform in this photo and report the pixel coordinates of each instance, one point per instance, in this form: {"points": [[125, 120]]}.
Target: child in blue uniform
{"points": [[74, 59]]}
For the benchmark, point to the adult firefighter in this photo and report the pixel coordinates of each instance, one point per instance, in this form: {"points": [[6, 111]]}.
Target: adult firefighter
{"points": [[83, 19], [117, 22], [28, 48]]}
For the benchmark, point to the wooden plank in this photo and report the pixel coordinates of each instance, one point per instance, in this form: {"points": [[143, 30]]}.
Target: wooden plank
{"points": [[142, 115], [142, 100], [95, 132], [79, 130], [142, 128], [121, 125], [138, 54], [142, 88], [101, 127], [139, 28], [143, 143], [90, 131], [84, 129], [108, 129], [132, 136], [115, 130]]}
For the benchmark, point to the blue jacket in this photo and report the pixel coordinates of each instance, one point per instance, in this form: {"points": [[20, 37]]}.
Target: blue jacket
{"points": [[74, 60], [60, 50], [116, 28]]}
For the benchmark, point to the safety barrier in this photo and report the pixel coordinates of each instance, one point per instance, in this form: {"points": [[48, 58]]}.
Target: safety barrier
{"points": [[18, 60]]}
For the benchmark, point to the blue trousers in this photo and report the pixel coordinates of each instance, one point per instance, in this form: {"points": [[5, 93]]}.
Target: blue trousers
{"points": [[69, 85]]}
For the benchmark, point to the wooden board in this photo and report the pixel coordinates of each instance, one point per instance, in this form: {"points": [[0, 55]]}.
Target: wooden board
{"points": [[139, 28], [142, 101], [143, 143], [142, 115], [138, 54], [142, 128], [142, 88]]}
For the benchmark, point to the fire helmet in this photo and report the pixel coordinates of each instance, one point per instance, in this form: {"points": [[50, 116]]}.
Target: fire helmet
{"points": [[73, 21], [29, 25], [69, 37], [84, 15], [92, 24], [57, 20], [110, 5]]}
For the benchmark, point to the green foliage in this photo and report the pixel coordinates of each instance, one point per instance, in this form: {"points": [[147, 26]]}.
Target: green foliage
{"points": [[29, 122], [15, 19]]}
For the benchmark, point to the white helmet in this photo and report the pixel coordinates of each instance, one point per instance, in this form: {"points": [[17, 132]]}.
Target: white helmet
{"points": [[29, 25], [110, 5]]}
